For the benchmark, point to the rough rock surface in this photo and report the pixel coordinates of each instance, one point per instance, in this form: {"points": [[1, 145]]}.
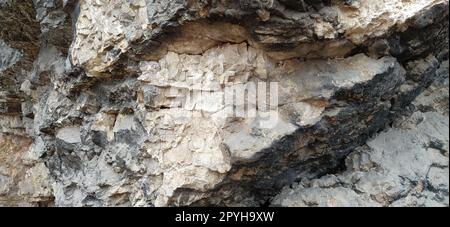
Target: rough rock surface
{"points": [[405, 165], [126, 103]]}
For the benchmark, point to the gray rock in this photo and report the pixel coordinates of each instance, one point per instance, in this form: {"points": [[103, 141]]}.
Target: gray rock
{"points": [[127, 103], [398, 167]]}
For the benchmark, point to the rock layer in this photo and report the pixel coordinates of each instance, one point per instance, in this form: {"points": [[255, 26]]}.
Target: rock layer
{"points": [[127, 103], [406, 165]]}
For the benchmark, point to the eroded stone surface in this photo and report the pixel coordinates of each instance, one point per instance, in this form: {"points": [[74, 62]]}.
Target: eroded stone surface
{"points": [[9, 56], [407, 165], [107, 32], [22, 182], [124, 103]]}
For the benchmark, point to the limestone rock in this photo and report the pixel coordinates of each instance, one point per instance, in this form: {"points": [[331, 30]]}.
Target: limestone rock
{"points": [[177, 103], [406, 165]]}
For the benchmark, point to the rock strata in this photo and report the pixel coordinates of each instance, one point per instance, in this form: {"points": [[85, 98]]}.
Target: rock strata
{"points": [[405, 165], [224, 103]]}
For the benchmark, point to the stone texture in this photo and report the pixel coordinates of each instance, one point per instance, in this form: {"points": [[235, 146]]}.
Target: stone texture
{"points": [[124, 103], [406, 165], [22, 181], [106, 32]]}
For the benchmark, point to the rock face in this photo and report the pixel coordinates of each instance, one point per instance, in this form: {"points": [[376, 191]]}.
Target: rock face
{"points": [[175, 103], [405, 165]]}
